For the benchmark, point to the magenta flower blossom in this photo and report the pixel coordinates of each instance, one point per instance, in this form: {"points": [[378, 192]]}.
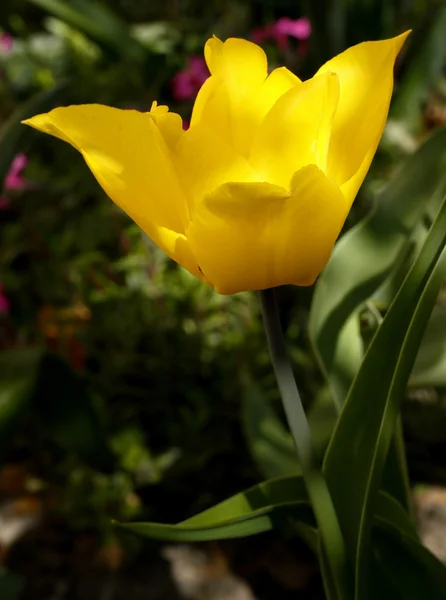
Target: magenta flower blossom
{"points": [[4, 301], [14, 179], [281, 30], [187, 82], [6, 42]]}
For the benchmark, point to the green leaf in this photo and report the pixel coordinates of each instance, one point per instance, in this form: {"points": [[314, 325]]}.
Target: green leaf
{"points": [[270, 443], [366, 424], [18, 374], [98, 22], [268, 504], [411, 569], [430, 364], [366, 255], [390, 514], [261, 508], [13, 134]]}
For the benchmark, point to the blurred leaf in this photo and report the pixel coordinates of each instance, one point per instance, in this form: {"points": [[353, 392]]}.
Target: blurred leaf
{"points": [[426, 67], [13, 134], [410, 568], [366, 424], [97, 21], [268, 505], [256, 522], [390, 514], [270, 443], [18, 373], [63, 404], [157, 37], [258, 509], [430, 364], [366, 255]]}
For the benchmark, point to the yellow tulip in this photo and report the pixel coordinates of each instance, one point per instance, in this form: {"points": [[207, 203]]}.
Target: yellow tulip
{"points": [[255, 193]]}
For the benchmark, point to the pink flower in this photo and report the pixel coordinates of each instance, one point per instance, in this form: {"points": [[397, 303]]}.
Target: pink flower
{"points": [[186, 124], [14, 179], [4, 301], [282, 29], [6, 42], [187, 82]]}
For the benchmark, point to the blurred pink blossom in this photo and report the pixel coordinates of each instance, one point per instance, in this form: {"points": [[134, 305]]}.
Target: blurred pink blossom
{"points": [[282, 29], [14, 179], [186, 124], [187, 82], [4, 301], [6, 42]]}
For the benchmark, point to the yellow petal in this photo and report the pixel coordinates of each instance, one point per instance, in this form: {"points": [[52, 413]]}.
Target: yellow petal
{"points": [[129, 157], [365, 75], [238, 95], [170, 125], [205, 161], [296, 131], [236, 66], [255, 236], [239, 62]]}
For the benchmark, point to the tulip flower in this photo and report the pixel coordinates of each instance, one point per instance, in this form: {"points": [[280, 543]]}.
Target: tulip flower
{"points": [[254, 194]]}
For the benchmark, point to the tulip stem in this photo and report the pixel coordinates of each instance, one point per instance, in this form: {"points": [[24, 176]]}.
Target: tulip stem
{"points": [[326, 518]]}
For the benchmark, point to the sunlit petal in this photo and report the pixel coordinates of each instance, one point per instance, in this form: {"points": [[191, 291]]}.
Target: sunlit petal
{"points": [[296, 131], [253, 236], [365, 75], [129, 157]]}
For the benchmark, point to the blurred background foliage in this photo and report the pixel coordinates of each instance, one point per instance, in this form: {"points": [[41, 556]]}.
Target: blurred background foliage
{"points": [[129, 390]]}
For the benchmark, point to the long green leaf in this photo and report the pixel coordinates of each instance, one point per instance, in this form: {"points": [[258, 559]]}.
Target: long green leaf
{"points": [[259, 509], [257, 521], [366, 255], [430, 364], [411, 569], [247, 513], [366, 424]]}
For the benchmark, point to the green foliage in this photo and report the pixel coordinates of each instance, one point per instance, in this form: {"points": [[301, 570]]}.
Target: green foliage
{"points": [[369, 416], [19, 371], [143, 396], [367, 256]]}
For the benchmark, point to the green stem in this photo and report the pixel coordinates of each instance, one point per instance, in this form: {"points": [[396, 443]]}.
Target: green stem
{"points": [[396, 473], [328, 525]]}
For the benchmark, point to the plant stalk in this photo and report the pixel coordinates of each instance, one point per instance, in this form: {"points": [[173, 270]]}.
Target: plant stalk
{"points": [[326, 518]]}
